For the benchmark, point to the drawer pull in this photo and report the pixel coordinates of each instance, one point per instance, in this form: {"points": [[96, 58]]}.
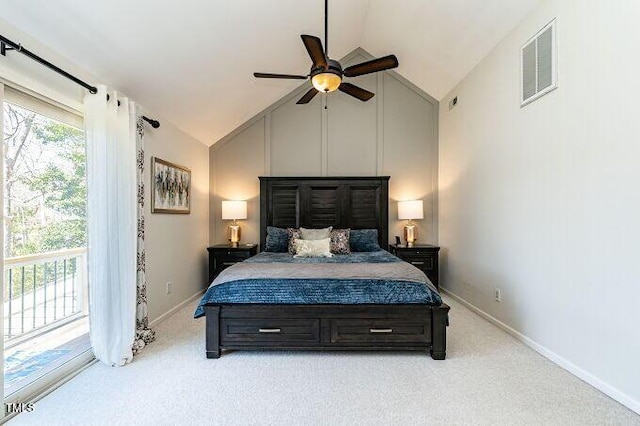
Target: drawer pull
{"points": [[228, 263], [417, 263], [269, 330], [380, 330]]}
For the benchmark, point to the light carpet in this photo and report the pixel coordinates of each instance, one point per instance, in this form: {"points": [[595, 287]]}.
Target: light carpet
{"points": [[489, 378]]}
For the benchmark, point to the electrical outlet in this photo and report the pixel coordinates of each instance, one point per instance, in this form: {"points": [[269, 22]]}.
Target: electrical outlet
{"points": [[169, 285], [498, 294]]}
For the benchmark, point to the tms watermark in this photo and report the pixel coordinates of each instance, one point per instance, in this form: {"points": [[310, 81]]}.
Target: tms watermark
{"points": [[18, 407]]}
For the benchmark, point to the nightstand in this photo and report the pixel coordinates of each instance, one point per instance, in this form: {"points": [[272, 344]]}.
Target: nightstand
{"points": [[422, 256], [222, 256]]}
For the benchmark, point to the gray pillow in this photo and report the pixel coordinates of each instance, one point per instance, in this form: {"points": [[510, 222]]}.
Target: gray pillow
{"points": [[315, 234]]}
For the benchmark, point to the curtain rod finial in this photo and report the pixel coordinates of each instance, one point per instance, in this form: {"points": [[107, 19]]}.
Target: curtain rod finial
{"points": [[154, 123]]}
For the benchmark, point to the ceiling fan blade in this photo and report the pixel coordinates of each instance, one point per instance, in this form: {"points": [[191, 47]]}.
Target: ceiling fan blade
{"points": [[307, 96], [375, 65], [287, 76], [355, 91], [314, 47]]}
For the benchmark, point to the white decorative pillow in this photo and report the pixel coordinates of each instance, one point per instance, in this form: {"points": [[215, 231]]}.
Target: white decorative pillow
{"points": [[313, 248], [315, 234]]}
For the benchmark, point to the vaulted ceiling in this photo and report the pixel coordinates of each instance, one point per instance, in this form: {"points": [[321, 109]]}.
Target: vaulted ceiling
{"points": [[191, 61]]}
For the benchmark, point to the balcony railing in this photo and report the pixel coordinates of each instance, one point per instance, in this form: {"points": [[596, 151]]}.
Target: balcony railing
{"points": [[43, 291]]}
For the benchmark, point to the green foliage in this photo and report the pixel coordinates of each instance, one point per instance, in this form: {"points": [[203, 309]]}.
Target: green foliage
{"points": [[65, 191], [60, 235], [47, 174]]}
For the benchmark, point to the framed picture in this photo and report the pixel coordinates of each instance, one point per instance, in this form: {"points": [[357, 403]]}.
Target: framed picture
{"points": [[170, 187]]}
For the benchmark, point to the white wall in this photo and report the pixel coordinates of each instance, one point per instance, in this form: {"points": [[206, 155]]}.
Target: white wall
{"points": [[17, 69], [176, 244], [395, 133], [542, 201]]}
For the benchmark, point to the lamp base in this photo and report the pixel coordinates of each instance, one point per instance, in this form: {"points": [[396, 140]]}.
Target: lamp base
{"points": [[234, 235], [410, 234]]}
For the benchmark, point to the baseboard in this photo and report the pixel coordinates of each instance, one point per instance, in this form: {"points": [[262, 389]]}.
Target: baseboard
{"points": [[175, 309], [597, 383]]}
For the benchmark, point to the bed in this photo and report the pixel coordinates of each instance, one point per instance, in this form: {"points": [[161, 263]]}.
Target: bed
{"points": [[359, 301]]}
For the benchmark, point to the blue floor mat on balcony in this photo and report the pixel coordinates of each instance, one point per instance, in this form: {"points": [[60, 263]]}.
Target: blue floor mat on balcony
{"points": [[23, 363]]}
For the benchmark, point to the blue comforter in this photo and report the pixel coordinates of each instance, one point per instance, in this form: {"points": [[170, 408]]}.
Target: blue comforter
{"points": [[358, 278]]}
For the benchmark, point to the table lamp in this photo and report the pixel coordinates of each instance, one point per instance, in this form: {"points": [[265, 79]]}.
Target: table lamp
{"points": [[234, 210], [409, 210]]}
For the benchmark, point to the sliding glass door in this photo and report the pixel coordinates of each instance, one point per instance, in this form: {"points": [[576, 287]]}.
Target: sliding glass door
{"points": [[45, 305]]}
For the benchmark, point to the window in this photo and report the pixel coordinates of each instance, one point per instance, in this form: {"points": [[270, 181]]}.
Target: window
{"points": [[45, 321], [538, 64]]}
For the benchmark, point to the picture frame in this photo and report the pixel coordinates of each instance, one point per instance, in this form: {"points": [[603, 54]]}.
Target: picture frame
{"points": [[170, 187]]}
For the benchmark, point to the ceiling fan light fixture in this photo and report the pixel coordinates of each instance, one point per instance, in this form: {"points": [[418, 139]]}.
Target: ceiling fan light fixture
{"points": [[326, 82], [326, 74]]}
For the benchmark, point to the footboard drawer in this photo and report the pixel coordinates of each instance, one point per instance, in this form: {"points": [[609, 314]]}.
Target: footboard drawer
{"points": [[269, 330], [380, 331]]}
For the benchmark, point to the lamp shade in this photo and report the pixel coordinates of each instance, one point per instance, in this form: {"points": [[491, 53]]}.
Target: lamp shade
{"points": [[413, 209], [232, 210]]}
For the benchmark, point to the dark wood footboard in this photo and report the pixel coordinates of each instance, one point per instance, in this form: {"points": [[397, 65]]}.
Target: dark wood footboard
{"points": [[327, 327]]}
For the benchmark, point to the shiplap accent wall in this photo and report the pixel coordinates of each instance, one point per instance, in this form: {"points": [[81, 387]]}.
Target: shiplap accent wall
{"points": [[395, 134]]}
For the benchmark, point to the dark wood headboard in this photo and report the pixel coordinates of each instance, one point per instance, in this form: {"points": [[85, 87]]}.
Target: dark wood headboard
{"points": [[318, 202]]}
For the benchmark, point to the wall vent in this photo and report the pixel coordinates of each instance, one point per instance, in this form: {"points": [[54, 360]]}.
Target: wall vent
{"points": [[538, 59]]}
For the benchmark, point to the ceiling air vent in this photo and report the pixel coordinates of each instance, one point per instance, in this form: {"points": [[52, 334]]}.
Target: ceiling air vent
{"points": [[538, 64]]}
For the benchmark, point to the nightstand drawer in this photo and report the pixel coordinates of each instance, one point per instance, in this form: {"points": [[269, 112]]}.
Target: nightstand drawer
{"points": [[221, 266], [425, 263], [415, 251], [223, 260], [230, 255], [230, 258], [382, 331]]}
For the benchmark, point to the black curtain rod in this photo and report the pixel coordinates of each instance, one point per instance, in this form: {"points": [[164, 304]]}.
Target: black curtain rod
{"points": [[7, 45], [154, 123]]}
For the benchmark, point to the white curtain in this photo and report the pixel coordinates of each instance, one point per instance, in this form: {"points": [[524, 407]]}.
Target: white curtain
{"points": [[112, 237]]}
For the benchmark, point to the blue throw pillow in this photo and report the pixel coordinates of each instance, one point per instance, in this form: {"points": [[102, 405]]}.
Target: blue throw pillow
{"points": [[277, 240], [364, 240]]}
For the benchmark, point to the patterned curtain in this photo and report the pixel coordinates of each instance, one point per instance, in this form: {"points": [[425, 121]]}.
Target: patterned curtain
{"points": [[144, 335]]}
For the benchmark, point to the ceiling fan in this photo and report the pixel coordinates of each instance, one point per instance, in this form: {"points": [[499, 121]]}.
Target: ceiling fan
{"points": [[326, 74]]}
